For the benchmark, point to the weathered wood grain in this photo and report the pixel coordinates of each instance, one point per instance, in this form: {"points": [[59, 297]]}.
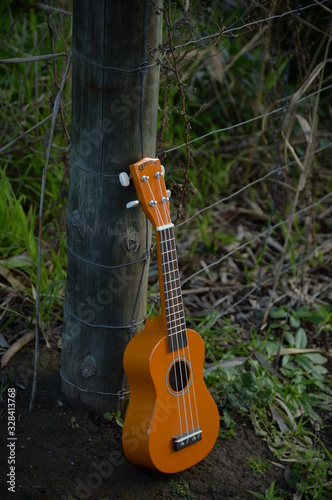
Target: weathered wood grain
{"points": [[108, 109]]}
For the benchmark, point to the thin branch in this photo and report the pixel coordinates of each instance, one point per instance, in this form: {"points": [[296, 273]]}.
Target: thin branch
{"points": [[33, 58], [183, 110], [56, 109]]}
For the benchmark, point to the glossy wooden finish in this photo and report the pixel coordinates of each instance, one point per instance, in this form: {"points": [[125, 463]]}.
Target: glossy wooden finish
{"points": [[154, 413], [163, 404]]}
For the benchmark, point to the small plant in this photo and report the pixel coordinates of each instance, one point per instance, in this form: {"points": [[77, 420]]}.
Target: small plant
{"points": [[73, 423], [180, 488], [227, 426], [257, 465], [114, 415], [270, 494]]}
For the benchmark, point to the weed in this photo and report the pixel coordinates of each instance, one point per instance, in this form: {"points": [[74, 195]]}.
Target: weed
{"points": [[270, 494], [280, 407], [257, 465], [180, 488], [114, 415], [73, 423], [227, 426]]}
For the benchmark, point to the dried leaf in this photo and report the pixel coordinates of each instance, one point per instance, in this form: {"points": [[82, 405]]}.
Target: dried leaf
{"points": [[288, 412], [305, 127], [278, 418], [215, 64], [302, 89], [295, 350], [10, 277], [260, 358], [228, 364]]}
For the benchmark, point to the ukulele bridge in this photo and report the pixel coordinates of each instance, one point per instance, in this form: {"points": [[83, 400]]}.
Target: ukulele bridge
{"points": [[186, 439]]}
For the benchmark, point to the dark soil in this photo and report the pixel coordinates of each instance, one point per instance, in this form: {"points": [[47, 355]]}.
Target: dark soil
{"points": [[57, 458]]}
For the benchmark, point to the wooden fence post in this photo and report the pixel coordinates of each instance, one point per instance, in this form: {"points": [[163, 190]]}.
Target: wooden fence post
{"points": [[114, 113]]}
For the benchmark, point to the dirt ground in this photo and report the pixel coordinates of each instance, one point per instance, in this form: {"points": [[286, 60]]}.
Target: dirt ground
{"points": [[57, 458]]}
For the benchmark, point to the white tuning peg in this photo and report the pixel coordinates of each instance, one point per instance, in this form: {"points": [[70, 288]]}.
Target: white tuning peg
{"points": [[168, 192], [124, 179], [163, 170], [132, 204]]}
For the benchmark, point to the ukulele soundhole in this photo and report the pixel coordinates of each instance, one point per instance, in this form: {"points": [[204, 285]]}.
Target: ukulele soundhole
{"points": [[179, 376]]}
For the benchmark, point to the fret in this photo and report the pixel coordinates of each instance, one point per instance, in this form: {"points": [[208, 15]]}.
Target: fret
{"points": [[182, 325], [174, 297], [170, 261], [175, 280], [172, 303], [184, 332], [172, 307], [167, 251], [175, 318]]}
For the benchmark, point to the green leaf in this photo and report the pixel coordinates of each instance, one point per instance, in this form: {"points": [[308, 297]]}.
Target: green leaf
{"points": [[320, 370], [119, 421], [290, 338], [301, 339], [274, 325], [278, 313], [311, 316], [294, 322], [305, 363], [316, 358], [287, 362]]}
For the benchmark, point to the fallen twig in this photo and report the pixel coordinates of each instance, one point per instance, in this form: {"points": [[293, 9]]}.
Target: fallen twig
{"points": [[17, 346]]}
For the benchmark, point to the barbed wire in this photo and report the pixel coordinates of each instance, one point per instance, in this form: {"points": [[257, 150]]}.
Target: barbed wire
{"points": [[227, 31], [251, 184], [240, 124], [260, 235], [271, 278]]}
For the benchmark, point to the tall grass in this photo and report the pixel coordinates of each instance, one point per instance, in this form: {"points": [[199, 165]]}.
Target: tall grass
{"points": [[27, 96]]}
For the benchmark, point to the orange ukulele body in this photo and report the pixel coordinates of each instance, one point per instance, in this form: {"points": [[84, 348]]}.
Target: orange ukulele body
{"points": [[172, 421]]}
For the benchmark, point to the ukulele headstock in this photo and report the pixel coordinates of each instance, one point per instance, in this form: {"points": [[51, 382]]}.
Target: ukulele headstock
{"points": [[148, 177]]}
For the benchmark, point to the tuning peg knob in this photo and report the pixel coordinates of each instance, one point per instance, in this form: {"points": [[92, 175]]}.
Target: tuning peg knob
{"points": [[124, 179], [163, 170], [169, 194], [132, 204]]}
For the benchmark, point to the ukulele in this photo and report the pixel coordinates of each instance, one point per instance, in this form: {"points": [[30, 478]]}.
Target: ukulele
{"points": [[172, 421]]}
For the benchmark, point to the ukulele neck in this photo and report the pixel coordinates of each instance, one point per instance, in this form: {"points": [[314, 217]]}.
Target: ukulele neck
{"points": [[170, 288]]}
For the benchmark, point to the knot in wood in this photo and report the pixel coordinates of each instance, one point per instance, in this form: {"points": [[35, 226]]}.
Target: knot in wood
{"points": [[88, 367], [74, 218], [133, 240]]}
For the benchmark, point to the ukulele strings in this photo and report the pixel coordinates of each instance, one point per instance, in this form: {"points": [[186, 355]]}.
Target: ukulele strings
{"points": [[168, 219], [170, 244], [180, 350], [161, 222], [178, 376]]}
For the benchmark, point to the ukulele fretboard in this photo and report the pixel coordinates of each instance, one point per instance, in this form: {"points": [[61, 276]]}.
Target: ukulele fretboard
{"points": [[176, 325]]}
